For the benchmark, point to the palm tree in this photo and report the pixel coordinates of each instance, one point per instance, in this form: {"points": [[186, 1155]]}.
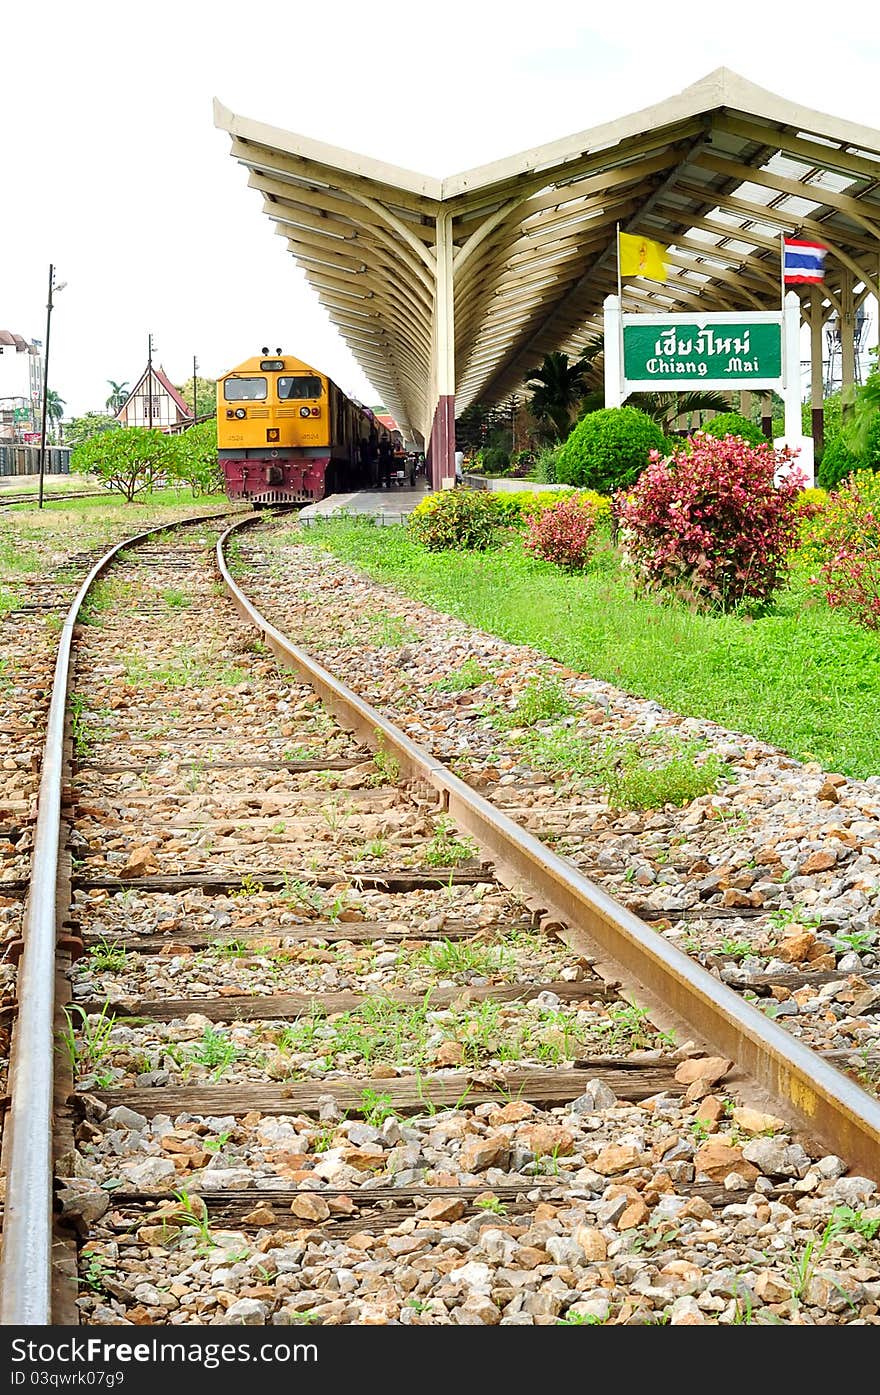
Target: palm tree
{"points": [[54, 406], [667, 407], [557, 388], [118, 394]]}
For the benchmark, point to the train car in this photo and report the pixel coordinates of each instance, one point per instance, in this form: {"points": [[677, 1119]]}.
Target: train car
{"points": [[286, 434]]}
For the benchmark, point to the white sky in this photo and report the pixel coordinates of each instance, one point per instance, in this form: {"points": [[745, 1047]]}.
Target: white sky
{"points": [[111, 168]]}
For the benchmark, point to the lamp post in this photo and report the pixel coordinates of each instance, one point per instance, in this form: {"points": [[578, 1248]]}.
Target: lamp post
{"points": [[195, 366], [52, 287]]}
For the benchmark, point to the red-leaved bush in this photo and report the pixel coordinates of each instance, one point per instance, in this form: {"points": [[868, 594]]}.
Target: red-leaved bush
{"points": [[849, 536], [710, 524], [564, 533]]}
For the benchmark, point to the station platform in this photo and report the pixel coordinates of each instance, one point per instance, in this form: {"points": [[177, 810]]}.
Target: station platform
{"points": [[392, 505]]}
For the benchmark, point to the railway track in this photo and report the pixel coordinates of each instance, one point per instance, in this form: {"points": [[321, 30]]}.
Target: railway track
{"points": [[340, 1042]]}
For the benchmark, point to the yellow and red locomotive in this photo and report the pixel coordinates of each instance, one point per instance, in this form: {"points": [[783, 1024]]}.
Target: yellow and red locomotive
{"points": [[286, 434]]}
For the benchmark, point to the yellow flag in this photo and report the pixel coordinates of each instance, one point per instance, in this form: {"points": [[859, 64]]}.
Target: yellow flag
{"points": [[639, 256]]}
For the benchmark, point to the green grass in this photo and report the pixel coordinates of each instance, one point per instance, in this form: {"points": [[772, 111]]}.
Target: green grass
{"points": [[798, 676]]}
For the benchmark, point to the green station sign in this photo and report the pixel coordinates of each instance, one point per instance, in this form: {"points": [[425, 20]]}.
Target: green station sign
{"points": [[675, 353]]}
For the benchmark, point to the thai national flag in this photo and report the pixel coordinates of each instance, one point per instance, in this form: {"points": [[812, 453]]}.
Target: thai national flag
{"points": [[803, 262]]}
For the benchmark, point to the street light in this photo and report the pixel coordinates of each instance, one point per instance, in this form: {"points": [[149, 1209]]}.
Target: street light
{"points": [[52, 287]]}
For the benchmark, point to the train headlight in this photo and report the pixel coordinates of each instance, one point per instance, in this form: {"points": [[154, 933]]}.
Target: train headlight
{"points": [[305, 412], [240, 413]]}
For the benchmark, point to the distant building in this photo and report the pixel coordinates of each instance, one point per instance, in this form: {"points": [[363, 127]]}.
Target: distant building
{"points": [[21, 386], [157, 403]]}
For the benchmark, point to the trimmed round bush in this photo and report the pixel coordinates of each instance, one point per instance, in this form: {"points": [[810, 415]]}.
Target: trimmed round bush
{"points": [[609, 449], [458, 519], [710, 524], [732, 424]]}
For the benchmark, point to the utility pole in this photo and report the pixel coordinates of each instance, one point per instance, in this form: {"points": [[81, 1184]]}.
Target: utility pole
{"points": [[195, 366], [52, 287], [150, 380]]}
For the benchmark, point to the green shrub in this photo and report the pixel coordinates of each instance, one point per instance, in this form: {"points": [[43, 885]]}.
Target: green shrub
{"points": [[732, 424], [495, 460], [458, 519], [544, 468], [609, 449], [838, 461]]}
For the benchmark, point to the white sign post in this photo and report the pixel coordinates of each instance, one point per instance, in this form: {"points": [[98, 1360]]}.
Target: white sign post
{"points": [[647, 353]]}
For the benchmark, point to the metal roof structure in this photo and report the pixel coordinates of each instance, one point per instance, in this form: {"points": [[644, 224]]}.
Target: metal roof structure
{"points": [[450, 291]]}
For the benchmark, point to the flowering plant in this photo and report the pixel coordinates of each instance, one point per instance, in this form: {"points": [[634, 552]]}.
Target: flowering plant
{"points": [[564, 532], [850, 540], [713, 523]]}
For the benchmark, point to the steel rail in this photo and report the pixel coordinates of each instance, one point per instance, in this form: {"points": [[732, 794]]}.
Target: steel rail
{"points": [[25, 1265], [807, 1088]]}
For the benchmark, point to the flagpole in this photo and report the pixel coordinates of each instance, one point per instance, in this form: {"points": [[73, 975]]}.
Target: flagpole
{"points": [[782, 269], [617, 244]]}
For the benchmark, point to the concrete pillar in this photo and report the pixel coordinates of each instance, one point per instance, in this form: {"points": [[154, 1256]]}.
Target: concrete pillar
{"points": [[847, 344], [441, 449], [767, 415], [745, 404], [817, 393]]}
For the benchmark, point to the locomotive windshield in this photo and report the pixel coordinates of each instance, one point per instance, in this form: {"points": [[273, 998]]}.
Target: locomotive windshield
{"points": [[245, 390], [300, 387]]}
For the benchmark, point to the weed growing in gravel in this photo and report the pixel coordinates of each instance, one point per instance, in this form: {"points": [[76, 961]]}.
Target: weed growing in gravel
{"points": [[462, 957], [627, 1028], [491, 1203], [82, 735], [385, 762], [192, 1216], [303, 894], [447, 850], [376, 1108], [634, 783], [214, 1050], [177, 600], [214, 1145], [293, 755], [95, 1271], [580, 1320], [468, 675], [229, 949], [250, 886], [108, 957], [854, 941], [541, 700], [93, 1044], [794, 915], [736, 949], [194, 777], [376, 849], [390, 631]]}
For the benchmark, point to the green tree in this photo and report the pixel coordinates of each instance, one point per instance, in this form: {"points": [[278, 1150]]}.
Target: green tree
{"points": [[206, 396], [92, 424], [195, 458], [127, 460], [558, 386], [54, 407], [667, 408], [118, 394]]}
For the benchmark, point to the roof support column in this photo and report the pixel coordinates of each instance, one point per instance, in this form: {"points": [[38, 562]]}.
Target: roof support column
{"points": [[817, 386], [441, 449], [847, 344]]}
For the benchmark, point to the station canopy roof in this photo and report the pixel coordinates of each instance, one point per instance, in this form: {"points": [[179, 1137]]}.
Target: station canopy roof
{"points": [[716, 173]]}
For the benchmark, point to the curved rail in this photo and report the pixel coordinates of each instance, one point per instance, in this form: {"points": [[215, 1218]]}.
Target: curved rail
{"points": [[25, 1269], [807, 1088]]}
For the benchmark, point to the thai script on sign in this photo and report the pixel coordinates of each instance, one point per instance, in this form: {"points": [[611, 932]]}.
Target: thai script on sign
{"points": [[706, 342]]}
